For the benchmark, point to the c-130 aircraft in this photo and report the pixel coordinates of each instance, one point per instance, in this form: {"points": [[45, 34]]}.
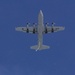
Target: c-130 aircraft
{"points": [[40, 30]]}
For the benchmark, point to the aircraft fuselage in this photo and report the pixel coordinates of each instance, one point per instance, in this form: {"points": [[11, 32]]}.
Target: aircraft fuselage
{"points": [[40, 28]]}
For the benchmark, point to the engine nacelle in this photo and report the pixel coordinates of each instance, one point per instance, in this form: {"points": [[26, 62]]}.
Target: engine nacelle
{"points": [[34, 30], [46, 31], [27, 30], [52, 30]]}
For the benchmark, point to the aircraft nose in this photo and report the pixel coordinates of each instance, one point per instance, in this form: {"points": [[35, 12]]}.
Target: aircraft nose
{"points": [[41, 13]]}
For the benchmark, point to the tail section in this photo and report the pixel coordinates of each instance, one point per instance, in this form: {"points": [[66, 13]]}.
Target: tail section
{"points": [[36, 47]]}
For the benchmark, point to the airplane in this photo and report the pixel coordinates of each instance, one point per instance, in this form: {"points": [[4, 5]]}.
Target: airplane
{"points": [[40, 30]]}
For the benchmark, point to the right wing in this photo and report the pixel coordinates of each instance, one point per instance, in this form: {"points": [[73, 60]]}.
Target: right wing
{"points": [[50, 29], [25, 29]]}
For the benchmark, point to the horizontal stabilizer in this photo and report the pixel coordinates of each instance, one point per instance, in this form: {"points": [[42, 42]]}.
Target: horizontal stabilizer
{"points": [[36, 47]]}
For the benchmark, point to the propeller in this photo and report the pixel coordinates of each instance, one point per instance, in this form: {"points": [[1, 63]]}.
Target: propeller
{"points": [[53, 23], [47, 23], [34, 23], [28, 23]]}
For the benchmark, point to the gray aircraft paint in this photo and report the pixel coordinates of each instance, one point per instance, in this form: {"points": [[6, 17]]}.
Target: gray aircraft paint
{"points": [[40, 31], [40, 28]]}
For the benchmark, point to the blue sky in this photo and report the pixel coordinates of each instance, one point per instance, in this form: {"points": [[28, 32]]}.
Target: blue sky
{"points": [[16, 57]]}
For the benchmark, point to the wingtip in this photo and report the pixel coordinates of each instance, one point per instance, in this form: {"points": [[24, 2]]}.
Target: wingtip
{"points": [[63, 28], [15, 28]]}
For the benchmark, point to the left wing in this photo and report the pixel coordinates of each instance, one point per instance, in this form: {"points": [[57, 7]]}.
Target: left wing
{"points": [[27, 29]]}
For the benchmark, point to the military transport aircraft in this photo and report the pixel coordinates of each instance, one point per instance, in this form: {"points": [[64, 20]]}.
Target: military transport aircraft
{"points": [[40, 30]]}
